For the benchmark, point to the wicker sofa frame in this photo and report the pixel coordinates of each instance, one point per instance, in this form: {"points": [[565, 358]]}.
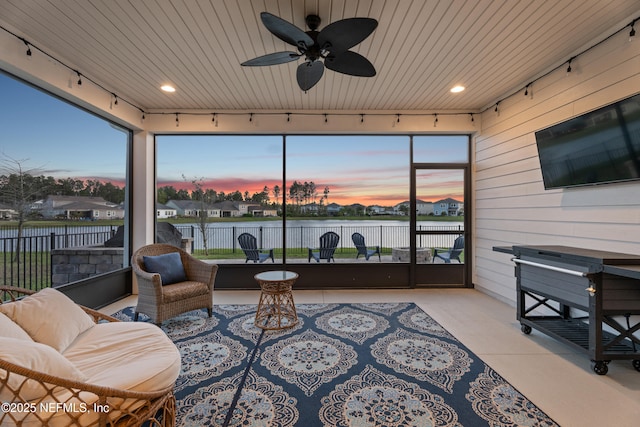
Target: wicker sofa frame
{"points": [[154, 299], [126, 408]]}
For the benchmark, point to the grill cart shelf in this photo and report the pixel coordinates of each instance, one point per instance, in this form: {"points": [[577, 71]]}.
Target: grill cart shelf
{"points": [[585, 298]]}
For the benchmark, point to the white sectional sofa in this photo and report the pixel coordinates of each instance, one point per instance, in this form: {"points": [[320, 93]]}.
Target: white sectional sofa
{"points": [[65, 365]]}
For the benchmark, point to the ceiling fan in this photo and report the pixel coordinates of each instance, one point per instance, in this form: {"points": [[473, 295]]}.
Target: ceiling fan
{"points": [[326, 48]]}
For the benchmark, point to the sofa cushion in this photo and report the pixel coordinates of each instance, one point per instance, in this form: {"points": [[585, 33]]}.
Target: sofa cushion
{"points": [[38, 357], [10, 329], [126, 355], [49, 317], [169, 266]]}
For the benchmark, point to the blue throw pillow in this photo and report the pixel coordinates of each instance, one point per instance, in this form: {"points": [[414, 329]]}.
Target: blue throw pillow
{"points": [[169, 266]]}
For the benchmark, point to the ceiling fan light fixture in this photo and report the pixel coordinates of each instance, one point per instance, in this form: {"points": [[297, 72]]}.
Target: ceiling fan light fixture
{"points": [[328, 47], [457, 89]]}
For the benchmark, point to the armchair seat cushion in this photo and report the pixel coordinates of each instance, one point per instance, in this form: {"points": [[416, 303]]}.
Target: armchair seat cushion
{"points": [[184, 290]]}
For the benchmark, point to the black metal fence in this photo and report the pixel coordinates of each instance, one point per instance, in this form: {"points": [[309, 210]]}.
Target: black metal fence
{"points": [[26, 260], [224, 240]]}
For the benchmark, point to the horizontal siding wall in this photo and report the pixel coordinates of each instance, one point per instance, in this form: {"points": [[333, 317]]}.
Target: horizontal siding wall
{"points": [[511, 204]]}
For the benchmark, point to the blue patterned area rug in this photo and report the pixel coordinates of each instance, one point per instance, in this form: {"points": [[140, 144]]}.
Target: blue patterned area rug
{"points": [[353, 365]]}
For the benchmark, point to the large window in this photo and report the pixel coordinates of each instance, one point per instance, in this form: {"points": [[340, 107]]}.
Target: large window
{"points": [[346, 185], [214, 189], [227, 193], [62, 189]]}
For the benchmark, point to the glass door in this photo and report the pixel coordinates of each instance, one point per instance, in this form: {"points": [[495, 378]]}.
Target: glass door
{"points": [[438, 226]]}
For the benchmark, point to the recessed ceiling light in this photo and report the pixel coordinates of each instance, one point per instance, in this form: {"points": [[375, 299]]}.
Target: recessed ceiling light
{"points": [[457, 89], [168, 88]]}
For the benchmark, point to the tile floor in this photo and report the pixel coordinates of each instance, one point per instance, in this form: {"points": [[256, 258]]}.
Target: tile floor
{"points": [[552, 375]]}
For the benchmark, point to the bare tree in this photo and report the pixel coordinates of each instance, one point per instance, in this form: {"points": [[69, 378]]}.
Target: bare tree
{"points": [[200, 195], [19, 189]]}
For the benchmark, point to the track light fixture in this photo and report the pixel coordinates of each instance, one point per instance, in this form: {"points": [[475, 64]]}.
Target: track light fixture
{"points": [[632, 33], [26, 43], [472, 119], [326, 119], [288, 117], [79, 78], [114, 100], [250, 117], [361, 118], [177, 120], [569, 64], [496, 109], [435, 121]]}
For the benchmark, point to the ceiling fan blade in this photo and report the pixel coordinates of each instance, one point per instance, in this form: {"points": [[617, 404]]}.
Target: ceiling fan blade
{"points": [[350, 63], [286, 31], [342, 35], [272, 59], [308, 74]]}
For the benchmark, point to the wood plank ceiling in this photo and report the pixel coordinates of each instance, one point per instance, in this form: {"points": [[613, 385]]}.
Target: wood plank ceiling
{"points": [[420, 49]]}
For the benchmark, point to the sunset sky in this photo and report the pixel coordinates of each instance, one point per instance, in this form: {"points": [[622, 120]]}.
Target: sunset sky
{"points": [[367, 170], [371, 170]]}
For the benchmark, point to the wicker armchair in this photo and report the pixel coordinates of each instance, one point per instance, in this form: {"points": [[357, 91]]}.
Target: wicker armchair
{"points": [[164, 302], [70, 402]]}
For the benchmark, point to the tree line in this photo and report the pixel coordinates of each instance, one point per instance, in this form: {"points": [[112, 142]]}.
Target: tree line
{"points": [[15, 187], [29, 188], [299, 194]]}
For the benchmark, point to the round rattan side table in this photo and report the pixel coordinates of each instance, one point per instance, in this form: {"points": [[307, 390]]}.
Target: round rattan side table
{"points": [[276, 309]]}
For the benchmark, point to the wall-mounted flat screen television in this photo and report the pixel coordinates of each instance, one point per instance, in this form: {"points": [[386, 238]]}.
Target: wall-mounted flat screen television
{"points": [[601, 146]]}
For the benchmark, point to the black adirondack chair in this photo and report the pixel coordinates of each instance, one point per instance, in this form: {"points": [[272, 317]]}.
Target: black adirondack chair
{"points": [[454, 253], [358, 240], [328, 245], [249, 246]]}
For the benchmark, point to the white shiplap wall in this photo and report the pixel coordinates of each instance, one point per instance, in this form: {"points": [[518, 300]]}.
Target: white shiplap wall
{"points": [[511, 205]]}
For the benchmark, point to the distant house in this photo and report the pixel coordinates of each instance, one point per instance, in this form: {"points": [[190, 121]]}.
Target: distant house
{"points": [[381, 210], [310, 208], [192, 208], [7, 212], [227, 209], [261, 211], [164, 211], [333, 209], [448, 206], [422, 208], [246, 207], [184, 207], [80, 207]]}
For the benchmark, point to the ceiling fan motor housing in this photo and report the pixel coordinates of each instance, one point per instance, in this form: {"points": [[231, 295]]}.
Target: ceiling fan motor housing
{"points": [[313, 22]]}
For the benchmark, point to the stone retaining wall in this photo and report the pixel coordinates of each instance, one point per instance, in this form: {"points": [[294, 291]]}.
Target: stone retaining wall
{"points": [[423, 255], [71, 264]]}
